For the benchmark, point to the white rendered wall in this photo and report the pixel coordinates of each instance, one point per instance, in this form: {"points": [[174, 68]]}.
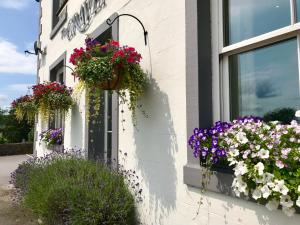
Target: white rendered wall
{"points": [[157, 147]]}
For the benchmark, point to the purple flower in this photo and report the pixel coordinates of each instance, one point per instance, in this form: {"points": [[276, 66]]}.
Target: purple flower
{"points": [[215, 160]]}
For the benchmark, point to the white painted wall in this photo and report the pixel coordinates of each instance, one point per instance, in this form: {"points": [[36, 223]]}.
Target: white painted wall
{"points": [[157, 147]]}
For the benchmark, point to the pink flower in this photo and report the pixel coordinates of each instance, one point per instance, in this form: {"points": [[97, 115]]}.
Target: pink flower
{"points": [[279, 164]]}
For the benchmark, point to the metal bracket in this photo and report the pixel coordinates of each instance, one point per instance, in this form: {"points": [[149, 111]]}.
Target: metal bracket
{"points": [[109, 22]]}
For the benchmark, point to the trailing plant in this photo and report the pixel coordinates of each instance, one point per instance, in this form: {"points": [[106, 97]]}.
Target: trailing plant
{"points": [[52, 137], [52, 96], [265, 157], [109, 67], [25, 107]]}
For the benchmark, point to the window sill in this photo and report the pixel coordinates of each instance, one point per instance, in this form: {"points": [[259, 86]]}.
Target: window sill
{"points": [[56, 148], [220, 182], [60, 23]]}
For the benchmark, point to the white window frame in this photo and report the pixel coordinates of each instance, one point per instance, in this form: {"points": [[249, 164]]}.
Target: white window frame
{"points": [[221, 53]]}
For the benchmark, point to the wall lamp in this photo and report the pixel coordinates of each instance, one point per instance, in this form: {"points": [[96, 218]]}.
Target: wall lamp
{"points": [[109, 22], [37, 50]]}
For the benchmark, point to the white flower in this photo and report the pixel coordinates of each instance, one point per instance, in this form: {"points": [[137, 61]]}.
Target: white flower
{"points": [[239, 185], [267, 177], [246, 153], [265, 191], [241, 137], [292, 139], [297, 113], [298, 202], [237, 192], [280, 187], [256, 194], [240, 168], [274, 122], [285, 200], [272, 205], [260, 168], [299, 188], [257, 147], [289, 211], [263, 153], [234, 152], [294, 123], [267, 127], [253, 154]]}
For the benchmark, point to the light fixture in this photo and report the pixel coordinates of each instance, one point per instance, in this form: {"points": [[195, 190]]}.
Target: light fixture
{"points": [[37, 50]]}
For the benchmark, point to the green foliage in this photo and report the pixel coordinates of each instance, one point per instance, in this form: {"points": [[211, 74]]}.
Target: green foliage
{"points": [[14, 131], [3, 140], [283, 115], [76, 191]]}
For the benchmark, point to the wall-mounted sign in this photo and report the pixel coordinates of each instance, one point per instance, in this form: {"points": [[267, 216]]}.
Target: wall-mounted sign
{"points": [[81, 20]]}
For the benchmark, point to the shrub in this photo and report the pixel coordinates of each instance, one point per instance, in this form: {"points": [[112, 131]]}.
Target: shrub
{"points": [[72, 190]]}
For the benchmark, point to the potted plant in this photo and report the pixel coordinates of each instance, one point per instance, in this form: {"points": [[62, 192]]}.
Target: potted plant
{"points": [[25, 107], [52, 96], [53, 138], [110, 67], [265, 157]]}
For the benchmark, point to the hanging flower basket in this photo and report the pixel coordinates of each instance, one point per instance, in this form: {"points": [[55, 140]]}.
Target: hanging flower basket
{"points": [[52, 96], [110, 67], [115, 83], [25, 107]]}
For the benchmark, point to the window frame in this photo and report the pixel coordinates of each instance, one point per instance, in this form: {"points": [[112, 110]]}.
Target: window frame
{"points": [[62, 11], [56, 68], [224, 52], [115, 99], [216, 83]]}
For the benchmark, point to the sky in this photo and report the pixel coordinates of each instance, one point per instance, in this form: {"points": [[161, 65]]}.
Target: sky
{"points": [[19, 30]]}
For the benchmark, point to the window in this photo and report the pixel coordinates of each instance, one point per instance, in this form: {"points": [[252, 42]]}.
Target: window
{"points": [[247, 57], [57, 73], [259, 70], [247, 19], [265, 79], [59, 15]]}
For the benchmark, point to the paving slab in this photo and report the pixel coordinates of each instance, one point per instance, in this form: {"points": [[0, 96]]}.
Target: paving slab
{"points": [[7, 165]]}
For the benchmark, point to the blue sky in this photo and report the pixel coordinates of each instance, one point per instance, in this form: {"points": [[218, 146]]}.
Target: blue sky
{"points": [[19, 30]]}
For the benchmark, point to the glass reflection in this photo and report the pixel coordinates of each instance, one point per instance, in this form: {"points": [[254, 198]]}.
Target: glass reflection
{"points": [[298, 10], [245, 19], [264, 79]]}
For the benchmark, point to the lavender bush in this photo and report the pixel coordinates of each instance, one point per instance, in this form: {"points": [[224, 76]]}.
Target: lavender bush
{"points": [[66, 189]]}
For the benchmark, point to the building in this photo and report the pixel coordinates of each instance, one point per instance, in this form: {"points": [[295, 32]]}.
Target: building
{"points": [[196, 80]]}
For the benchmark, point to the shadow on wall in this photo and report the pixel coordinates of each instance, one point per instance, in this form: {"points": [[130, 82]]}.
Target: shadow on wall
{"points": [[240, 211], [76, 128], [156, 145]]}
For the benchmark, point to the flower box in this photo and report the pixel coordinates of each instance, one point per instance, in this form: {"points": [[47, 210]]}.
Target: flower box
{"points": [[265, 159]]}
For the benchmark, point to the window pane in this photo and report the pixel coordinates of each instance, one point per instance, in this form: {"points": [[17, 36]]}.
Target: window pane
{"points": [[298, 10], [264, 79], [245, 19]]}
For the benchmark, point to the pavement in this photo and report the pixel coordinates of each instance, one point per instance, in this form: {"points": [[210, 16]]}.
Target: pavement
{"points": [[7, 165]]}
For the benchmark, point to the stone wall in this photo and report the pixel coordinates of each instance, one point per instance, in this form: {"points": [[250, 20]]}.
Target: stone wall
{"points": [[16, 149]]}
